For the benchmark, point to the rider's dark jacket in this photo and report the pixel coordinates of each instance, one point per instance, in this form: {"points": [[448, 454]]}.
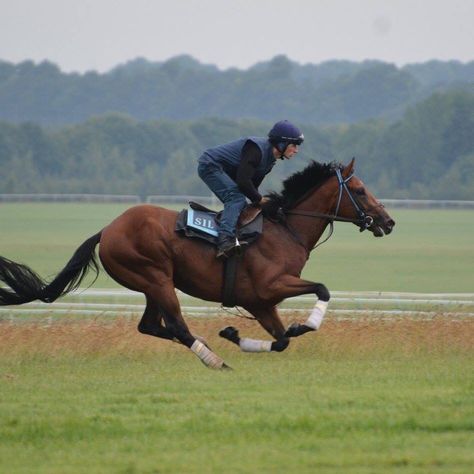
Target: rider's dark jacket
{"points": [[246, 161]]}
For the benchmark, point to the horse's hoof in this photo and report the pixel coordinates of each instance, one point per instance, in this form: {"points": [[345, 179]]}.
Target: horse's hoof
{"points": [[292, 330], [296, 330], [280, 345], [230, 333]]}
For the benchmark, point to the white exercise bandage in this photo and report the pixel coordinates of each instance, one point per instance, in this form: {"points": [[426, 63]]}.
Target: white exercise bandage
{"points": [[254, 345], [317, 315], [207, 356]]}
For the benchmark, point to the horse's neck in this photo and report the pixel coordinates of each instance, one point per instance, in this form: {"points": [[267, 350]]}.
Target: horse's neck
{"points": [[310, 229]]}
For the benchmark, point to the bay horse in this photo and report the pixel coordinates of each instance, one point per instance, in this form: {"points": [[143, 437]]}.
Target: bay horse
{"points": [[141, 250]]}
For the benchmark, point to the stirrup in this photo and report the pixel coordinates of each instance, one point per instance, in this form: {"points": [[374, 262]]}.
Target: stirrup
{"points": [[239, 246], [225, 249], [236, 248]]}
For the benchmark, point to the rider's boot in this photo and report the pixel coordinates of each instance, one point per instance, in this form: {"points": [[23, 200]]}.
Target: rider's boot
{"points": [[226, 246]]}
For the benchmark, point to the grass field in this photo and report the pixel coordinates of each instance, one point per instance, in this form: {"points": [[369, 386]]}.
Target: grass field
{"points": [[363, 395], [429, 250], [359, 397]]}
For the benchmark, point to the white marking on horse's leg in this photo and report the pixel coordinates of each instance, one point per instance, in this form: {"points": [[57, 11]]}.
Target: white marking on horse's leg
{"points": [[201, 339], [317, 315], [207, 357], [254, 345]]}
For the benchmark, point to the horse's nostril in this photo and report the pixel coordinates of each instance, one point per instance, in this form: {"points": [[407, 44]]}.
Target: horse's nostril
{"points": [[389, 226]]}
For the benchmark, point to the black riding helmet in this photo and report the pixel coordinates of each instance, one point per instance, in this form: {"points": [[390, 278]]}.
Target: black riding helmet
{"points": [[283, 133]]}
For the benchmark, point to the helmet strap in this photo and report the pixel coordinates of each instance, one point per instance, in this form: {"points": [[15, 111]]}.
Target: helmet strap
{"points": [[281, 147]]}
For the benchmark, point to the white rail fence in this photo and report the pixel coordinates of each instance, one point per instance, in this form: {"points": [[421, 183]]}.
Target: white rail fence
{"points": [[125, 198], [121, 302], [427, 204]]}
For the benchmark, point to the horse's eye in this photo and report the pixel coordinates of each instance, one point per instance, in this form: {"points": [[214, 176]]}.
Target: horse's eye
{"points": [[360, 191]]}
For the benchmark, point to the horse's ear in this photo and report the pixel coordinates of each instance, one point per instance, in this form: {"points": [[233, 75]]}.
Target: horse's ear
{"points": [[349, 169]]}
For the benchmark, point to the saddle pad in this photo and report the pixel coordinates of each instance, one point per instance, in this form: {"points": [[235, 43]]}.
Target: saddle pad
{"points": [[202, 221], [202, 225]]}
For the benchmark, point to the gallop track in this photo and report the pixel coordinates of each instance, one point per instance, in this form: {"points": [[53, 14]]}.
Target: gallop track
{"points": [[121, 302]]}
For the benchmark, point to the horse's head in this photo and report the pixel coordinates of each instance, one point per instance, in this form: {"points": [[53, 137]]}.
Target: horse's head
{"points": [[357, 203]]}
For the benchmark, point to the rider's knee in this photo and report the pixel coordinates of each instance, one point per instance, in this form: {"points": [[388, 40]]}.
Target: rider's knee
{"points": [[235, 197], [204, 170]]}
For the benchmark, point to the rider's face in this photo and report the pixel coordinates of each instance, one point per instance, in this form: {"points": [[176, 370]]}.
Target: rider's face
{"points": [[291, 150]]}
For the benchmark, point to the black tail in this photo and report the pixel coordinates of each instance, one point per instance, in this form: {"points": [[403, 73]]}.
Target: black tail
{"points": [[25, 285]]}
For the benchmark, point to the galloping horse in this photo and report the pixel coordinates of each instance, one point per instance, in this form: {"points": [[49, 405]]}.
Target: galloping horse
{"points": [[141, 250]]}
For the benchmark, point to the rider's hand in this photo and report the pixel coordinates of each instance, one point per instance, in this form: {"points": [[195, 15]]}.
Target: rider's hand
{"points": [[263, 201]]}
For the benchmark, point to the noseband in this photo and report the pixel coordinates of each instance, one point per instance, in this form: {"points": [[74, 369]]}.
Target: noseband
{"points": [[363, 220]]}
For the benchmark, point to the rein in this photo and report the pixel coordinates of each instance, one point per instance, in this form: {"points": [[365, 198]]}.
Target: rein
{"points": [[321, 215], [363, 220]]}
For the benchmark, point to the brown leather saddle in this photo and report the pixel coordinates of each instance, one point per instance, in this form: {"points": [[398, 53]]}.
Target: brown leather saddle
{"points": [[248, 215]]}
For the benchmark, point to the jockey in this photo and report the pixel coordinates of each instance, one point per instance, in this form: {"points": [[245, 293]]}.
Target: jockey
{"points": [[234, 171]]}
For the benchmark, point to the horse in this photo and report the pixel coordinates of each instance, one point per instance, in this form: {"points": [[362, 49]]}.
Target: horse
{"points": [[141, 250]]}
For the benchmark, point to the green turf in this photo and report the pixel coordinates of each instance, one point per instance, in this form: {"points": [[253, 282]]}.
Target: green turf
{"points": [[325, 405], [429, 250], [359, 397]]}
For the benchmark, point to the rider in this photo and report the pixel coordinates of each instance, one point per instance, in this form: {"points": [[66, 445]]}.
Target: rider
{"points": [[234, 171]]}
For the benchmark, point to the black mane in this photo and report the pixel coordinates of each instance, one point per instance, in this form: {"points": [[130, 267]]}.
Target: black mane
{"points": [[299, 183]]}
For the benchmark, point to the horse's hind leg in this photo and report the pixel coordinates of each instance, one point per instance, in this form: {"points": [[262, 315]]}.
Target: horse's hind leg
{"points": [[270, 321], [151, 321], [177, 327], [157, 285]]}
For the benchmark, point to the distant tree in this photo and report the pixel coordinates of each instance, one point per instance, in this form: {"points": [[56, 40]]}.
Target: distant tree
{"points": [[458, 181], [428, 153], [183, 89]]}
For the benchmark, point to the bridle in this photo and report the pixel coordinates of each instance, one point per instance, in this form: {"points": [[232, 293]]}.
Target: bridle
{"points": [[363, 220]]}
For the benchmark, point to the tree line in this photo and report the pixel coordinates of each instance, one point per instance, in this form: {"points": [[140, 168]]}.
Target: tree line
{"points": [[427, 153], [182, 89]]}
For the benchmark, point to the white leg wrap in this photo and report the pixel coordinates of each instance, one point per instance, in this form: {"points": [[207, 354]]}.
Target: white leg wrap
{"points": [[317, 315], [207, 356], [254, 345]]}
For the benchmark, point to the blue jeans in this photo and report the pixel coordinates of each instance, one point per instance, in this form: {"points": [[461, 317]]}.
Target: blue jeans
{"points": [[222, 185]]}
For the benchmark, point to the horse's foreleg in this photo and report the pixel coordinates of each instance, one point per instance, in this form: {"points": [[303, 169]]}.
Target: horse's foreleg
{"points": [[289, 286], [270, 321], [313, 322]]}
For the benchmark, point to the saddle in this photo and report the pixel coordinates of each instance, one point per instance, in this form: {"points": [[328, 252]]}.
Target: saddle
{"points": [[197, 221]]}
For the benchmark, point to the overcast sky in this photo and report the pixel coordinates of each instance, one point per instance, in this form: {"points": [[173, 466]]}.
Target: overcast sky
{"points": [[81, 35]]}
